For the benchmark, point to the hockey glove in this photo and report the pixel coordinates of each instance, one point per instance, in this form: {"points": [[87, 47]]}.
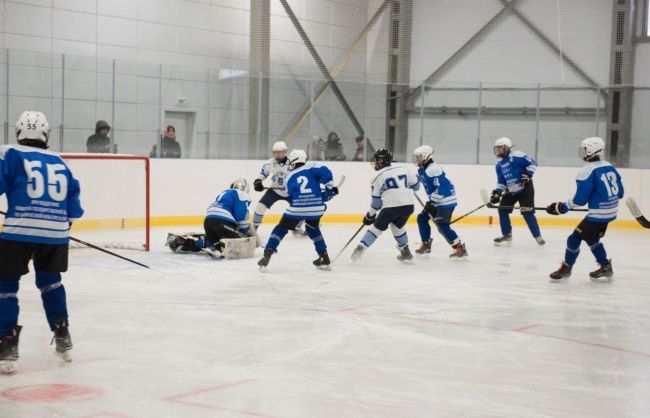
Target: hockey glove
{"points": [[557, 208], [329, 193], [369, 219], [525, 179], [430, 209], [258, 186], [496, 196]]}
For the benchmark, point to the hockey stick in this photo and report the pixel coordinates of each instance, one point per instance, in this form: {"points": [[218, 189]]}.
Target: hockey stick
{"points": [[455, 220], [486, 198], [348, 243], [636, 212], [95, 247]]}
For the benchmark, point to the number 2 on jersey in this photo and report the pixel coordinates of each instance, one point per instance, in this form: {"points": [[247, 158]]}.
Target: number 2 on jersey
{"points": [[57, 182], [303, 182]]}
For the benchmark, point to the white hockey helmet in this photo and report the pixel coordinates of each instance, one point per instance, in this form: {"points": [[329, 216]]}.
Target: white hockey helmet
{"points": [[240, 184], [32, 125], [280, 146], [502, 146], [422, 154], [591, 147], [297, 156]]}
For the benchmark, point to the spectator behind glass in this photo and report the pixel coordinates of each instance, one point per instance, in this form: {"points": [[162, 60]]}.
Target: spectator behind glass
{"points": [[317, 149], [170, 148], [333, 148], [359, 153], [100, 142]]}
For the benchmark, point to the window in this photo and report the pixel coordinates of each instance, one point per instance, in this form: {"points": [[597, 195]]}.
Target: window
{"points": [[647, 18]]}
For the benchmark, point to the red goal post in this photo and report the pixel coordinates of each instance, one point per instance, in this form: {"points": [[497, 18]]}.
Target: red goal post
{"points": [[115, 195]]}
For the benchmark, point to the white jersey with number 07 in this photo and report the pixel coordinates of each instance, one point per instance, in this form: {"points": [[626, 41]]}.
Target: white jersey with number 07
{"points": [[393, 186]]}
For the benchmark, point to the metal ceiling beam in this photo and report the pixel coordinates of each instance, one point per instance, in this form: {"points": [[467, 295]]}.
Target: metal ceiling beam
{"points": [[307, 108], [508, 7], [549, 43], [464, 49], [323, 69]]}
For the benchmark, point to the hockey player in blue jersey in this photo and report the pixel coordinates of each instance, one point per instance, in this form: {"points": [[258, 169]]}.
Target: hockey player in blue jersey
{"points": [[277, 168], [43, 200], [227, 217], [391, 205], [440, 204], [307, 203], [515, 172], [599, 186]]}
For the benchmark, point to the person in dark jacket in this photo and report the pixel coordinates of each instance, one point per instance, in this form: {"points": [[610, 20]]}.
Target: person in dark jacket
{"points": [[360, 152], [334, 148], [100, 142], [170, 148]]}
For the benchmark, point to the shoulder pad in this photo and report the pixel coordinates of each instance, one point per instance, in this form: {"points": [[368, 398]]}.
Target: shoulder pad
{"points": [[586, 171], [434, 170], [518, 153], [243, 196]]}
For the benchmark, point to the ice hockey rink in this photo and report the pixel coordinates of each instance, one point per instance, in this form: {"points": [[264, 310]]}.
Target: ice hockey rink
{"points": [[484, 337]]}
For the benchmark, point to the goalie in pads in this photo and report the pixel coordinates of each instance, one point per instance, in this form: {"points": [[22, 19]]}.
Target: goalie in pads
{"points": [[226, 227]]}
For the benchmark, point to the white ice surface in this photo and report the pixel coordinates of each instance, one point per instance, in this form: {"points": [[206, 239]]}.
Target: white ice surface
{"points": [[487, 337]]}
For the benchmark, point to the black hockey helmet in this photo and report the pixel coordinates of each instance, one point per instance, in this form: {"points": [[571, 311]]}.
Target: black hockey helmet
{"points": [[382, 158]]}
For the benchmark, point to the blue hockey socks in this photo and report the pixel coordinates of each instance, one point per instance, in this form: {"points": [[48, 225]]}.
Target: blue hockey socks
{"points": [[598, 250], [8, 305], [572, 249], [424, 227], [317, 238], [448, 233], [53, 296], [277, 235], [531, 221], [504, 221]]}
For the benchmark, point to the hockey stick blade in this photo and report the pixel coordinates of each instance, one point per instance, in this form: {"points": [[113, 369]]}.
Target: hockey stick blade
{"points": [[636, 212]]}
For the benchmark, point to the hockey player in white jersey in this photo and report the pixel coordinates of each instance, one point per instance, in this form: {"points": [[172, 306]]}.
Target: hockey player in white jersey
{"points": [[278, 169], [392, 204]]}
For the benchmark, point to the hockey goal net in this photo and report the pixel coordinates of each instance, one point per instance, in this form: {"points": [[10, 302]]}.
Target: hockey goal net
{"points": [[115, 198]]}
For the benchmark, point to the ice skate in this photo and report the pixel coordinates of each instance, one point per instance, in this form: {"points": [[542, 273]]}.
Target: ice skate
{"points": [[264, 261], [603, 274], [564, 272], [504, 241], [323, 262], [62, 340], [9, 351], [425, 247], [540, 241], [357, 253], [460, 251], [405, 255]]}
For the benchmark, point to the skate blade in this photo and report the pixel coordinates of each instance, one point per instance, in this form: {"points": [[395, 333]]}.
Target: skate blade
{"points": [[563, 279], [503, 244], [455, 258], [601, 279], [411, 261], [8, 367], [65, 356], [324, 268]]}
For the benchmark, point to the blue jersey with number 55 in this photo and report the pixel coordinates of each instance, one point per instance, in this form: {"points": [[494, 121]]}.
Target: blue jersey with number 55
{"points": [[600, 188], [42, 195], [303, 185]]}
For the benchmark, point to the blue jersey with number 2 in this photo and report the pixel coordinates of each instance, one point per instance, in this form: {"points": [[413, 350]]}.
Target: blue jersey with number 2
{"points": [[600, 188], [303, 186], [42, 195]]}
